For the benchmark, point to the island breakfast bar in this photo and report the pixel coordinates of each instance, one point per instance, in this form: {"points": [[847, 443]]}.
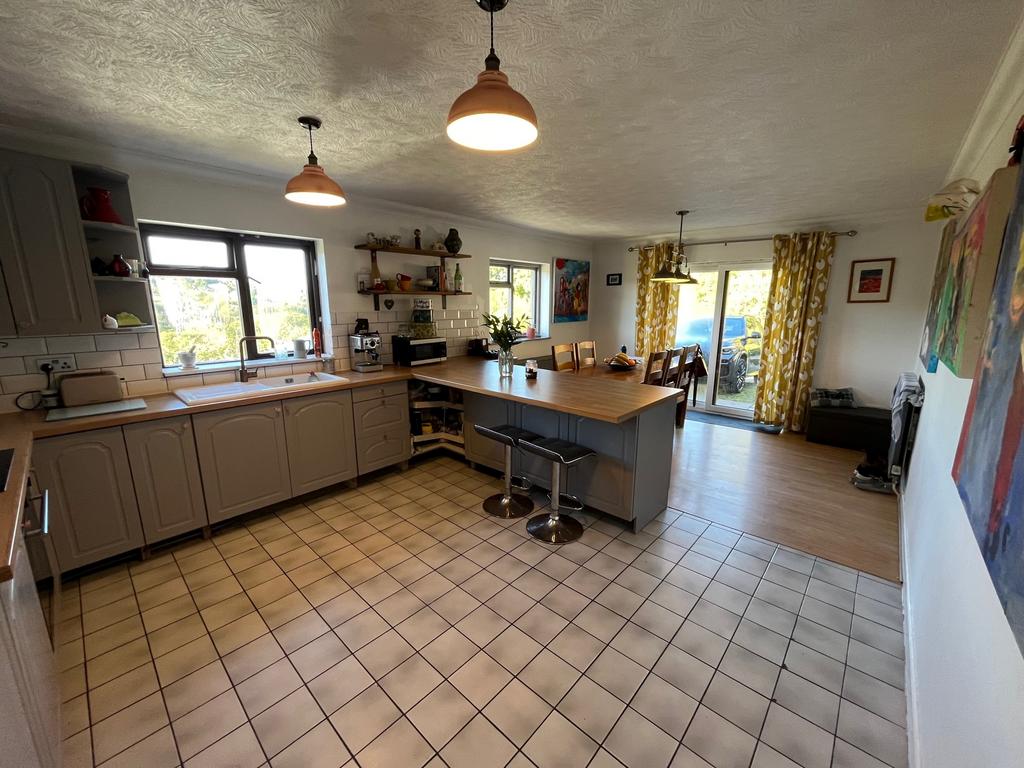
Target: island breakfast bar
{"points": [[629, 425]]}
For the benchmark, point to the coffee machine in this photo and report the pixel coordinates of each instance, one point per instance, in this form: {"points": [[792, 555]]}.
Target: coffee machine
{"points": [[365, 346]]}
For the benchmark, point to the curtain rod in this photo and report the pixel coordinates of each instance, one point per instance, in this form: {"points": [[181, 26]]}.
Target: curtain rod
{"points": [[632, 248]]}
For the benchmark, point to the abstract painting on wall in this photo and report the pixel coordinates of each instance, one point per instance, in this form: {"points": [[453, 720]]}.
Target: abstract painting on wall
{"points": [[989, 464], [962, 304], [929, 354], [572, 290]]}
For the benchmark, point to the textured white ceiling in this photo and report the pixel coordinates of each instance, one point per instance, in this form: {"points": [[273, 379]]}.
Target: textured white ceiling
{"points": [[746, 111]]}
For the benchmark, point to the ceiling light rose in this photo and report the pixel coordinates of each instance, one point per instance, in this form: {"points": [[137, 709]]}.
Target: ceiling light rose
{"points": [[313, 186], [492, 116]]}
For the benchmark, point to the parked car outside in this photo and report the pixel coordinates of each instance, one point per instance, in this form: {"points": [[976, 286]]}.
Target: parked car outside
{"points": [[740, 355]]}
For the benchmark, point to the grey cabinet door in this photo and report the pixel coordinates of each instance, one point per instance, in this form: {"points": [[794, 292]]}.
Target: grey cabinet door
{"points": [[42, 248], [382, 432], [321, 440], [93, 512], [488, 412], [604, 481], [165, 469], [545, 423], [243, 458]]}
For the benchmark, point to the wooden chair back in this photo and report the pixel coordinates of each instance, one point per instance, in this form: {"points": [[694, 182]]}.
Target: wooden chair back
{"points": [[654, 373], [685, 380], [586, 354], [675, 364], [563, 357]]}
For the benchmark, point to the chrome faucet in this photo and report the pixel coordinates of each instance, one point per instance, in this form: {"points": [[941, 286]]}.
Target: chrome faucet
{"points": [[245, 374]]}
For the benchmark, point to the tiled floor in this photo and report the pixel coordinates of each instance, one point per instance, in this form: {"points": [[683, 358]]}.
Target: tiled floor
{"points": [[398, 624]]}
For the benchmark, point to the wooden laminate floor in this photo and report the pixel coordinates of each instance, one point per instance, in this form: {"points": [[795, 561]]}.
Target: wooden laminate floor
{"points": [[781, 487]]}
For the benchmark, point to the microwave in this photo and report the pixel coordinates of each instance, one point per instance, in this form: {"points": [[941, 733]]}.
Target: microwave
{"points": [[407, 351]]}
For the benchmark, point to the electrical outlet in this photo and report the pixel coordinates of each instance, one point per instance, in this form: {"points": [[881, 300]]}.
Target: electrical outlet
{"points": [[60, 363]]}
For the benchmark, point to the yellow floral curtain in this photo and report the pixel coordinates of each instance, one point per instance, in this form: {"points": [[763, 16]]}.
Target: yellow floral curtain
{"points": [[801, 266], [657, 304]]}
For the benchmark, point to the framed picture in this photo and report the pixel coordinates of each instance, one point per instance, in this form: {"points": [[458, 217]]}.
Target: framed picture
{"points": [[614, 278], [572, 290], [870, 281]]}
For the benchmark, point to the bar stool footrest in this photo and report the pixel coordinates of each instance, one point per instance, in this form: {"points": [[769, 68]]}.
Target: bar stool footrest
{"points": [[522, 483], [568, 502]]}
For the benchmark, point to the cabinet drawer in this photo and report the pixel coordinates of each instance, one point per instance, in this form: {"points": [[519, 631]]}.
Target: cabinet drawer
{"points": [[382, 448], [382, 413], [378, 391]]}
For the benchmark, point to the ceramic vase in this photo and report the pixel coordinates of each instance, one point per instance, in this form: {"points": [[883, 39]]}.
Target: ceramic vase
{"points": [[98, 206]]}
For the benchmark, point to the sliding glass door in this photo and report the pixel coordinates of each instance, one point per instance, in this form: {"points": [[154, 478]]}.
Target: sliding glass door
{"points": [[724, 313]]}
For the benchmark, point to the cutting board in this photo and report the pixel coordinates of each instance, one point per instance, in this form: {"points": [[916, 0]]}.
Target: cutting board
{"points": [[96, 409]]}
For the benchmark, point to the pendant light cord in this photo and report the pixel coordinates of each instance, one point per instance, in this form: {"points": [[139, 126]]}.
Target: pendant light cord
{"points": [[491, 14], [492, 62], [312, 157]]}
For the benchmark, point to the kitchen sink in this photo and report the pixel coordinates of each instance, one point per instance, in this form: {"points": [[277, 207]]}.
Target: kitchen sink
{"points": [[215, 393]]}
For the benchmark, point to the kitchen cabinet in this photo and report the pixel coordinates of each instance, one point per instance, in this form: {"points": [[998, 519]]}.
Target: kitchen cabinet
{"points": [[321, 440], [165, 471], [92, 500], [243, 459], [488, 412], [29, 688], [381, 427], [42, 248], [543, 422]]}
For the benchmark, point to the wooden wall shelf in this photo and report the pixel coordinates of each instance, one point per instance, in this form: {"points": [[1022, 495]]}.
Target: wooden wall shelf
{"points": [[411, 251], [443, 294]]}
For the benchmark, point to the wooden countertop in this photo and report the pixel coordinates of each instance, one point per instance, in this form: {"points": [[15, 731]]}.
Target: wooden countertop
{"points": [[595, 393]]}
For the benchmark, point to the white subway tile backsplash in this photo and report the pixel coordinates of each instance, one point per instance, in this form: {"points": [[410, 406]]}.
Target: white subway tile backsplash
{"points": [[154, 370], [147, 387], [59, 345], [147, 340], [98, 359], [140, 356], [24, 383], [117, 341], [11, 366], [180, 382], [12, 347], [220, 377], [130, 372]]}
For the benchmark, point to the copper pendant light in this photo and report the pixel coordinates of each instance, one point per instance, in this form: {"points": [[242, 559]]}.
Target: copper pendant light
{"points": [[492, 116], [672, 271], [312, 186]]}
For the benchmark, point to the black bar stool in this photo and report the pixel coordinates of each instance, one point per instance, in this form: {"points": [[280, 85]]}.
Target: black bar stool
{"points": [[553, 527], [507, 504]]}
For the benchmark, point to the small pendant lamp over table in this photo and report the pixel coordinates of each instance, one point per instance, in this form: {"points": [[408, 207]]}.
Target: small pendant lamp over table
{"points": [[672, 270], [492, 116], [313, 186]]}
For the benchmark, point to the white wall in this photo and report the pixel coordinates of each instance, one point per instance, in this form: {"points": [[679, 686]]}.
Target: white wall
{"points": [[965, 671], [864, 346]]}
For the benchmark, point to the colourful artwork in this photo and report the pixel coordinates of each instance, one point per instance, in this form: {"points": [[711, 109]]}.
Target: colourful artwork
{"points": [[961, 292], [959, 288], [928, 353], [572, 290], [870, 281], [989, 464]]}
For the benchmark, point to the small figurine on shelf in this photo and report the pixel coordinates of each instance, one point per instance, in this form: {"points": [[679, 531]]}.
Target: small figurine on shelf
{"points": [[417, 244]]}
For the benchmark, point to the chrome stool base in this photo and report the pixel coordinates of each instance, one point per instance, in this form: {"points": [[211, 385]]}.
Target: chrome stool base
{"points": [[508, 507], [554, 530]]}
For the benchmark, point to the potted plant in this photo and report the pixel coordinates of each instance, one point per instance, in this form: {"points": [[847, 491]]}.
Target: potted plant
{"points": [[505, 332]]}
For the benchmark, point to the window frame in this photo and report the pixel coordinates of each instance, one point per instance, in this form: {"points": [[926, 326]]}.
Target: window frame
{"points": [[236, 269], [509, 265]]}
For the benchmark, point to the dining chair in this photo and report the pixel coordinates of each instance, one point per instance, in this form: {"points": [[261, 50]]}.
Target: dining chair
{"points": [[654, 373], [673, 368], [586, 354], [563, 357], [685, 380]]}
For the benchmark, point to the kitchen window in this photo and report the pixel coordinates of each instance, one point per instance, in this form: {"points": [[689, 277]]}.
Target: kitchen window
{"points": [[210, 288], [515, 290]]}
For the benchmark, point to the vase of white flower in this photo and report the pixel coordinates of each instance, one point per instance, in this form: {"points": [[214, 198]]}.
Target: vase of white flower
{"points": [[505, 332]]}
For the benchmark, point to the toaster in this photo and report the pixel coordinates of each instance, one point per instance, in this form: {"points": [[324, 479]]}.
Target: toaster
{"points": [[89, 388]]}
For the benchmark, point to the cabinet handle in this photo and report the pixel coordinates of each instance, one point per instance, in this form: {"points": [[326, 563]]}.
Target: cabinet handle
{"points": [[277, 411], [44, 517]]}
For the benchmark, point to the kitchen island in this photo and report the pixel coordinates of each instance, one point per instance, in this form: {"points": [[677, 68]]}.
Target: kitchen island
{"points": [[629, 425]]}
